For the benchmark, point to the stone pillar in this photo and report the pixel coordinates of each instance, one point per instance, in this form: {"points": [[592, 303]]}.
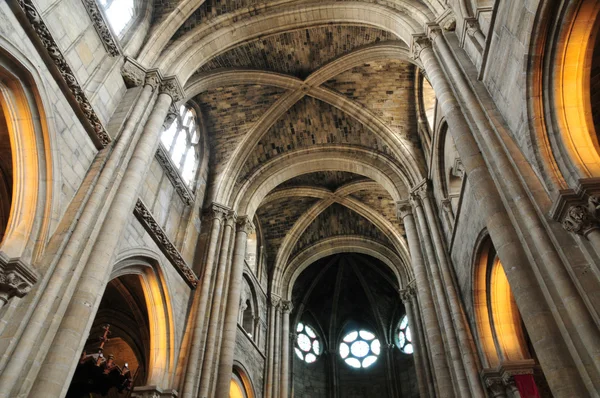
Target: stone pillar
{"points": [[274, 303], [217, 297], [225, 363], [216, 213], [417, 329], [286, 308], [407, 296], [60, 362], [430, 321], [544, 332], [440, 293], [464, 341]]}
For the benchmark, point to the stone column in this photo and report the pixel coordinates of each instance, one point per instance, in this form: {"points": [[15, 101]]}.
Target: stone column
{"points": [[286, 308], [216, 213], [277, 352], [430, 321], [549, 344], [407, 295], [456, 311], [417, 328], [443, 306], [274, 303], [60, 362], [225, 363], [213, 325]]}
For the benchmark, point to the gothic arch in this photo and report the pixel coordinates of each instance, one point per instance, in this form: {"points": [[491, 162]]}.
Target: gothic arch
{"points": [[159, 311]]}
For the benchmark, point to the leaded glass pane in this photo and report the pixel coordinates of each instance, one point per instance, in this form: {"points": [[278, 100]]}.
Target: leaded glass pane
{"points": [[299, 353], [355, 363], [350, 337], [368, 361], [304, 342], [344, 350], [367, 335], [310, 358], [310, 332], [376, 347]]}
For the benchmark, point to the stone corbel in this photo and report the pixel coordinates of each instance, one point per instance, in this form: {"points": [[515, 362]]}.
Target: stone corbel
{"points": [[100, 24], [16, 278], [274, 301], [458, 169], [133, 73], [408, 293], [286, 306], [579, 210]]}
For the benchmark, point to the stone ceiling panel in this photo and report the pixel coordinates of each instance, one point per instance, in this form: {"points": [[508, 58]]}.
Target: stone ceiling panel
{"points": [[338, 220], [300, 52], [277, 217], [229, 112], [386, 88], [311, 123], [380, 200], [331, 180]]}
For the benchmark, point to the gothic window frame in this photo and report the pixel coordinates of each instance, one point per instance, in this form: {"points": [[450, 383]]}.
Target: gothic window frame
{"points": [[306, 334], [351, 350], [403, 336]]}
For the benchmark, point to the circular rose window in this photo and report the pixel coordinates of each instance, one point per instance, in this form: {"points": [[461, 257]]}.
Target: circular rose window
{"points": [[360, 349], [307, 346]]}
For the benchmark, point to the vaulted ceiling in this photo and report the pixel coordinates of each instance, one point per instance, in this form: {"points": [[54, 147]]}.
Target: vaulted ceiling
{"points": [[311, 116]]}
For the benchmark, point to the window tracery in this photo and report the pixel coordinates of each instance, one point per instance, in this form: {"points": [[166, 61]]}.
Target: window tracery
{"points": [[360, 349], [181, 140], [308, 346], [404, 341]]}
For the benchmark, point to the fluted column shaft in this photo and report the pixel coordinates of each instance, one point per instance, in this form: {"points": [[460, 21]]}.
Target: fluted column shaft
{"points": [[213, 325], [225, 364], [553, 354], [407, 295], [430, 321], [286, 308], [456, 310], [216, 214], [59, 364]]}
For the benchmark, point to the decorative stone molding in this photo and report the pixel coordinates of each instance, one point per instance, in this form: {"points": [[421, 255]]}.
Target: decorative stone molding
{"points": [[164, 243], [286, 306], [472, 26], [180, 186], [153, 79], [420, 190], [419, 43], [108, 40], [16, 278], [408, 293], [274, 301], [500, 382], [98, 132], [170, 86], [216, 212], [458, 168], [133, 73], [231, 218], [244, 224]]}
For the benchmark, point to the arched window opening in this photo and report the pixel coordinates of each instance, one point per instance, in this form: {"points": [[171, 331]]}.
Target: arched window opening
{"points": [[240, 386], [6, 175], [251, 252], [404, 339], [119, 14], [308, 344], [248, 318], [360, 349], [429, 103], [181, 140]]}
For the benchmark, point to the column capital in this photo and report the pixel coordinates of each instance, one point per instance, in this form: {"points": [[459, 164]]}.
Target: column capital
{"points": [[274, 301], [153, 78], [170, 86], [286, 306], [230, 218], [419, 43], [244, 224], [582, 219], [403, 209], [217, 211], [133, 73], [16, 278], [408, 293], [434, 30], [421, 190], [472, 26]]}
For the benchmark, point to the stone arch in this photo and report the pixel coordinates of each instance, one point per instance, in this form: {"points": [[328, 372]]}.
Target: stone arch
{"points": [[183, 57], [332, 158], [562, 49], [240, 371], [249, 307], [22, 105], [158, 304], [335, 245]]}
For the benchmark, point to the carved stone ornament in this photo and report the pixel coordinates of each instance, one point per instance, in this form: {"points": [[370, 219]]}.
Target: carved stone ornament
{"points": [[133, 74], [449, 24], [421, 190], [404, 209], [244, 224], [99, 132], [16, 279], [419, 43], [164, 244], [106, 36], [495, 385], [286, 306], [217, 212], [408, 293], [173, 174], [458, 168], [153, 79], [172, 114], [582, 219], [274, 301], [472, 26], [171, 87]]}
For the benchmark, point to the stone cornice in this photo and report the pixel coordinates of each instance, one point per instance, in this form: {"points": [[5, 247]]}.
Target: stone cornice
{"points": [[60, 66], [172, 173], [164, 243], [100, 24]]}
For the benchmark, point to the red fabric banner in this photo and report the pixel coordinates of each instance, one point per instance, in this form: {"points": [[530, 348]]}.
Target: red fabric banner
{"points": [[526, 386]]}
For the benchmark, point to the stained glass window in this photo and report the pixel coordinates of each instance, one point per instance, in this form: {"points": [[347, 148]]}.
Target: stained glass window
{"points": [[180, 140], [360, 349], [307, 346], [118, 13], [405, 337]]}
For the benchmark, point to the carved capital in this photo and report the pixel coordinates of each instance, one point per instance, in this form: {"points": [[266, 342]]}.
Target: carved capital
{"points": [[244, 224], [274, 301], [449, 24], [434, 30], [230, 218], [286, 306], [583, 219], [404, 209], [472, 26], [110, 44], [153, 79], [217, 212], [421, 191], [16, 278], [171, 87], [133, 73], [419, 43], [408, 293]]}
